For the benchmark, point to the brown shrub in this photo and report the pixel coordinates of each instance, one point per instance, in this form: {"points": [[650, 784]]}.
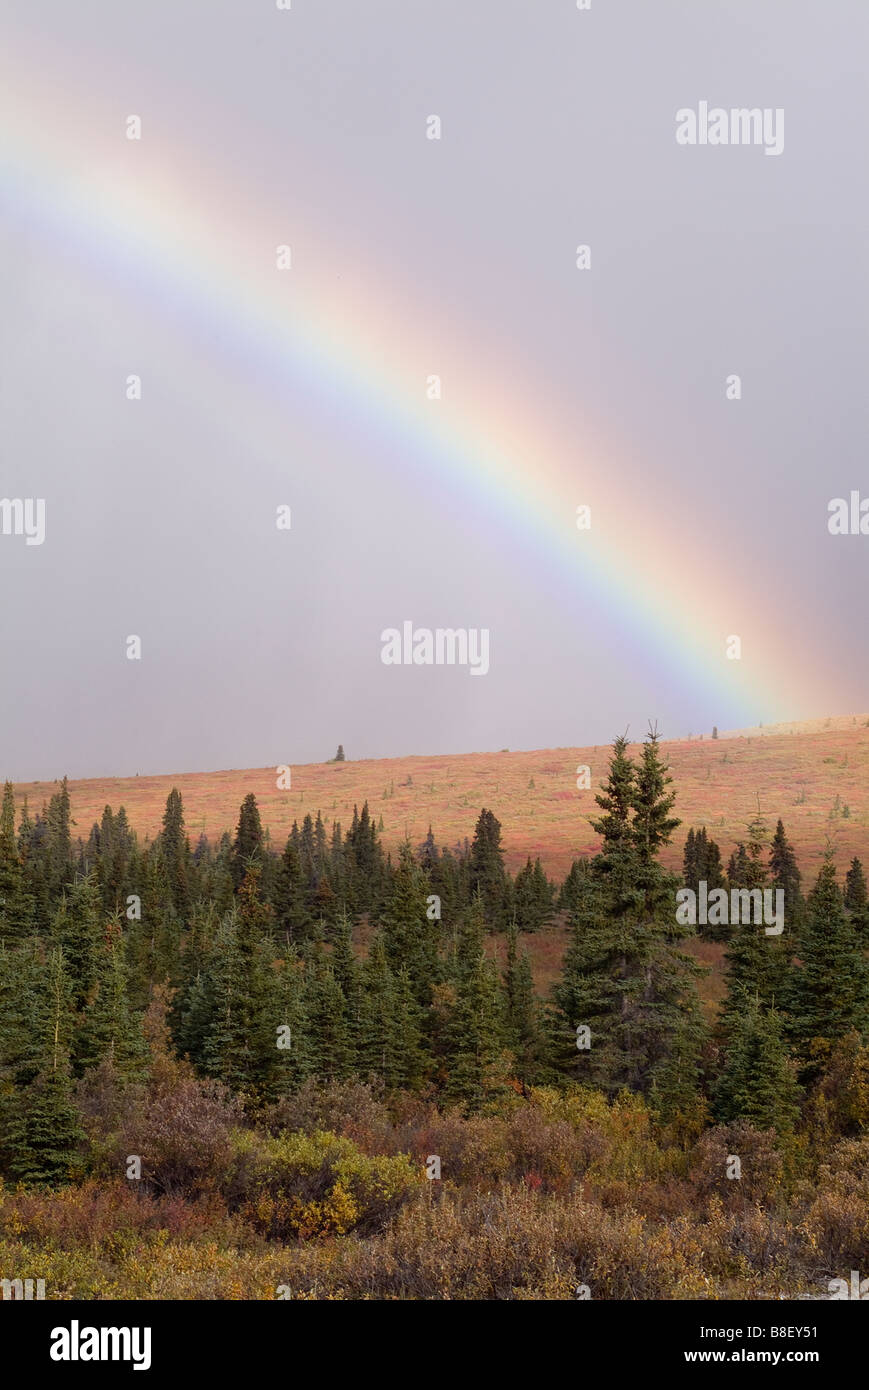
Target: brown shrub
{"points": [[109, 1218], [352, 1108], [836, 1219], [762, 1165], [751, 1243], [185, 1137], [512, 1244]]}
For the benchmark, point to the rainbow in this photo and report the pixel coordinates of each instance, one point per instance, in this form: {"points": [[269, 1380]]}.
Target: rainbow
{"points": [[202, 257]]}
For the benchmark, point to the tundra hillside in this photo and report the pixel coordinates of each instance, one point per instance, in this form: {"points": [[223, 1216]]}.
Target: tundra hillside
{"points": [[238, 1067]]}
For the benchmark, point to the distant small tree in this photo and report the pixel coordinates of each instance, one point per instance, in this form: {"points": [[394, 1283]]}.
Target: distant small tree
{"points": [[714, 730], [339, 756]]}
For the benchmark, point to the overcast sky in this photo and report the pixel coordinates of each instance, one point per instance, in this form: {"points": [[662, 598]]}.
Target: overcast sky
{"points": [[412, 257]]}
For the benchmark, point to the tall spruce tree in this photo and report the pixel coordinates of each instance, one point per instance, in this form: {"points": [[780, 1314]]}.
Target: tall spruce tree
{"points": [[488, 878], [410, 938], [756, 961], [44, 1132], [247, 847], [328, 1025], [477, 1063], [58, 844], [786, 876], [624, 977], [108, 1028], [856, 901], [574, 885], [855, 887], [78, 929], [828, 988], [292, 918], [690, 868], [176, 854], [364, 857], [525, 1030], [532, 897], [235, 1004], [16, 904], [757, 1082]]}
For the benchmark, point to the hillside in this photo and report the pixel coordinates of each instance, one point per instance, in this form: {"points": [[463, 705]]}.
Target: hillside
{"points": [[815, 777]]}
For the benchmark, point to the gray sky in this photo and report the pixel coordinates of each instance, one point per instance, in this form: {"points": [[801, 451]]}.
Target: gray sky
{"points": [[413, 257]]}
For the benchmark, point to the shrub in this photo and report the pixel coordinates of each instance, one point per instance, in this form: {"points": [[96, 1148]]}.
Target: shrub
{"points": [[836, 1221], [761, 1164], [511, 1244], [350, 1108], [185, 1137], [295, 1186]]}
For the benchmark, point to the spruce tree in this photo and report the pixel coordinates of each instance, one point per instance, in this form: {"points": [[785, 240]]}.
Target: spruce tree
{"points": [[346, 972], [856, 901], [411, 1059], [476, 1061], [855, 887], [525, 1032], [757, 1083], [624, 977], [378, 1038], [328, 1026], [224, 1012], [59, 860], [574, 885], [337, 864], [487, 874], [176, 854], [711, 862], [293, 1062], [364, 858], [108, 1028], [428, 853], [44, 1133], [234, 1006], [828, 988], [196, 948], [616, 801], [677, 1090], [786, 876], [16, 904], [756, 962], [653, 825], [410, 938], [737, 868], [532, 898], [690, 870], [21, 1035], [79, 930], [292, 918], [707, 869], [247, 847]]}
